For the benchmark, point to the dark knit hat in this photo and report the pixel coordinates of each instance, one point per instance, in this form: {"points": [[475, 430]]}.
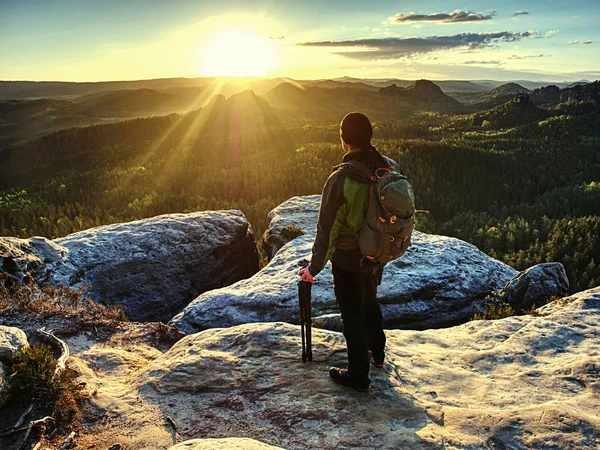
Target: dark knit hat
{"points": [[356, 130]]}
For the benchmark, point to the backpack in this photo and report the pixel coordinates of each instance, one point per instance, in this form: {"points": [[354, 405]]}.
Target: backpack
{"points": [[387, 229]]}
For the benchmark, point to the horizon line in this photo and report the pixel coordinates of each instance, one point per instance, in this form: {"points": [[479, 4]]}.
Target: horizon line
{"points": [[257, 78]]}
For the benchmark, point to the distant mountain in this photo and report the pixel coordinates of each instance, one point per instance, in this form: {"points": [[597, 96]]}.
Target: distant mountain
{"points": [[332, 84], [333, 103], [491, 98], [318, 103], [231, 85], [445, 85], [27, 119], [508, 89], [16, 110], [127, 103], [37, 89], [553, 95], [422, 94]]}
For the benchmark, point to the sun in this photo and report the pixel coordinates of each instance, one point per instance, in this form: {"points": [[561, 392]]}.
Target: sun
{"points": [[237, 53]]}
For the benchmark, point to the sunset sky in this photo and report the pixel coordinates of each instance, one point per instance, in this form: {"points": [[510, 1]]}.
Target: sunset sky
{"points": [[75, 40]]}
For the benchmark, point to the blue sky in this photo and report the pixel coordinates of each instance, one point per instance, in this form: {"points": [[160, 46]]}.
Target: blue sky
{"points": [[137, 39]]}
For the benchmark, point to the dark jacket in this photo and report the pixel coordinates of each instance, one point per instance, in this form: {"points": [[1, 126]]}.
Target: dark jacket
{"points": [[344, 203]]}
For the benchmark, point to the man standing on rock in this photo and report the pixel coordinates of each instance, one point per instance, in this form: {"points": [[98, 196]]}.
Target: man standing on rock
{"points": [[342, 213]]}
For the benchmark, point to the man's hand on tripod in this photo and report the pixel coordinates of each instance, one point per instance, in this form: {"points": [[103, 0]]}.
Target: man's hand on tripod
{"points": [[305, 275]]}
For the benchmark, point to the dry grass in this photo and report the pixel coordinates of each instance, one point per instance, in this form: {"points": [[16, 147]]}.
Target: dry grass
{"points": [[31, 299]]}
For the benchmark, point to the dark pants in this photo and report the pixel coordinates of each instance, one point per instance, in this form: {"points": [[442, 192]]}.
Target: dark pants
{"points": [[356, 294]]}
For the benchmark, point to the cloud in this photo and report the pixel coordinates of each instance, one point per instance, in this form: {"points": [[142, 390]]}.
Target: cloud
{"points": [[276, 37], [520, 13], [541, 55], [392, 48], [584, 42], [494, 63], [551, 33], [457, 16]]}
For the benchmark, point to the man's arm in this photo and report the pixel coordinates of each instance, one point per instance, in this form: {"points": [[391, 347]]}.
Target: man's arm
{"points": [[331, 200]]}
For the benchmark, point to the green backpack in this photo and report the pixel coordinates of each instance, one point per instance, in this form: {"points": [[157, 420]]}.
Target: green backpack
{"points": [[386, 232]]}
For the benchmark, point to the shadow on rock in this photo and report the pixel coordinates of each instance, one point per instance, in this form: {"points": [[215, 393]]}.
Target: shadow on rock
{"points": [[249, 381]]}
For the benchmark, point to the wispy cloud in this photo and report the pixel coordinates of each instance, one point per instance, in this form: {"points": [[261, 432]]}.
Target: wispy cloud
{"points": [[540, 55], [276, 37], [520, 13], [494, 63], [391, 48], [584, 42], [456, 16], [551, 33]]}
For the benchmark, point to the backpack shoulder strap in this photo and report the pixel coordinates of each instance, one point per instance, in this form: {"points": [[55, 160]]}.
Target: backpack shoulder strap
{"points": [[359, 169]]}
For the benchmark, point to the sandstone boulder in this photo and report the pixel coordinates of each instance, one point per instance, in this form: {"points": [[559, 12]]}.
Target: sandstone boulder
{"points": [[535, 286], [439, 282], [153, 267], [12, 342], [223, 444]]}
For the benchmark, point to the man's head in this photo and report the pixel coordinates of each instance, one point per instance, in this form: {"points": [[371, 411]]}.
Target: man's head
{"points": [[356, 131]]}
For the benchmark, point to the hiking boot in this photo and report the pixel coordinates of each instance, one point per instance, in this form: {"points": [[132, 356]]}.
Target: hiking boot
{"points": [[377, 359], [341, 376]]}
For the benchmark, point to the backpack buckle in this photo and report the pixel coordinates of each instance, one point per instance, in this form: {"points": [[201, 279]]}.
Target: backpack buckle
{"points": [[393, 219], [381, 219]]}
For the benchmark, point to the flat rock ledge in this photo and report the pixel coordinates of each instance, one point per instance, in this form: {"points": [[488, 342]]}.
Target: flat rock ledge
{"points": [[524, 382], [441, 281], [223, 444], [153, 267]]}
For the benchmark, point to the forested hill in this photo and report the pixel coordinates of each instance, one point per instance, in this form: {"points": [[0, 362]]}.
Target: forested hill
{"points": [[525, 191]]}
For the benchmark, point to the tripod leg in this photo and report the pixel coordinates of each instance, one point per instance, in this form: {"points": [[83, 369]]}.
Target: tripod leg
{"points": [[308, 318], [302, 324]]}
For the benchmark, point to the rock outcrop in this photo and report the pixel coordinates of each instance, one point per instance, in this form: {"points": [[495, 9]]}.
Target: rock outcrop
{"points": [[439, 282], [522, 382], [301, 212], [535, 286], [12, 342], [153, 267], [25, 260]]}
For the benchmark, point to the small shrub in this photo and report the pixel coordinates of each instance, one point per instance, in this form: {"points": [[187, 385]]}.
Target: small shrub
{"points": [[33, 375], [291, 232], [66, 413], [494, 311], [33, 370], [495, 307]]}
